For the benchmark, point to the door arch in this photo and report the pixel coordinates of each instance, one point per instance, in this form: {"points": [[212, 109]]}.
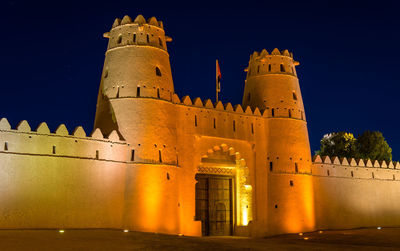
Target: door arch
{"points": [[223, 191]]}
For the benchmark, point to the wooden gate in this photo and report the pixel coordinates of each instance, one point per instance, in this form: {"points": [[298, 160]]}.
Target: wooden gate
{"points": [[214, 205]]}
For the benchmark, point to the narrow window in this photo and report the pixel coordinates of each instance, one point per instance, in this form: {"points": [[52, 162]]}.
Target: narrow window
{"points": [[168, 176], [327, 172], [177, 160], [148, 38], [138, 91], [352, 174], [133, 155], [248, 97], [105, 73], [117, 92], [296, 167], [273, 112], [215, 124], [291, 183], [119, 39], [54, 149], [97, 154], [158, 93], [294, 96], [282, 68], [290, 113], [134, 37], [6, 146], [158, 72], [269, 67], [159, 156], [394, 177], [195, 120], [252, 128], [270, 166], [373, 175], [258, 69], [234, 126], [160, 42]]}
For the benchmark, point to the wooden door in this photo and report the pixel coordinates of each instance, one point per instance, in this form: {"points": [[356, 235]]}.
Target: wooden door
{"points": [[214, 204]]}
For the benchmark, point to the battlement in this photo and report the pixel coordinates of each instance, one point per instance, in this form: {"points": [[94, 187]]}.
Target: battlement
{"points": [[276, 62], [125, 32], [355, 168], [270, 112], [139, 20]]}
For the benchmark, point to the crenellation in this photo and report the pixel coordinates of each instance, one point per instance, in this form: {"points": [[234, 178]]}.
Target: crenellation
{"points": [[79, 132], [4, 125], [43, 128], [23, 126]]}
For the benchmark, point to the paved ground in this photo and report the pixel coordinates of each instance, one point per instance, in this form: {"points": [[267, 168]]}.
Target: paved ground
{"points": [[365, 239]]}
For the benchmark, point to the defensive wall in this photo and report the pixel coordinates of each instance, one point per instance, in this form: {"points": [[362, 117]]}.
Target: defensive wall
{"points": [[141, 176]]}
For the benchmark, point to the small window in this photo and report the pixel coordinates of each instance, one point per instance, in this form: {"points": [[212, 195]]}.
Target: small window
{"points": [[394, 177], [195, 120], [97, 154], [5, 146], [105, 73], [270, 166], [296, 167], [252, 128], [248, 97], [168, 176], [148, 38], [327, 172], [54, 149], [117, 92], [273, 112], [133, 155], [294, 96], [290, 113], [177, 160], [234, 126], [158, 93], [291, 183], [269, 67], [138, 91], [119, 39], [282, 68], [373, 175], [276, 206], [352, 174], [134, 37], [158, 72], [160, 42], [215, 124], [258, 69], [159, 156]]}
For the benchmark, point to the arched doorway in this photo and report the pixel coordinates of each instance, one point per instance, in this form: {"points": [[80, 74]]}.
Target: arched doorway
{"points": [[223, 193]]}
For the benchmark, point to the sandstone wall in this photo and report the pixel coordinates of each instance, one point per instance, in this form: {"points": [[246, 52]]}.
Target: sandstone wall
{"points": [[352, 194]]}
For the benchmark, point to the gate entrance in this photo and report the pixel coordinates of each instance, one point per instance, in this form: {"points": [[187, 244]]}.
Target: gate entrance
{"points": [[214, 205]]}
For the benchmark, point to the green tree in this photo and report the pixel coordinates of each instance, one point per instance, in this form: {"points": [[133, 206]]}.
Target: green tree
{"points": [[372, 145], [341, 144]]}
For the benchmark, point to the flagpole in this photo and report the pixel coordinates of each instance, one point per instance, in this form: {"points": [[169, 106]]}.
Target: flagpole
{"points": [[216, 80]]}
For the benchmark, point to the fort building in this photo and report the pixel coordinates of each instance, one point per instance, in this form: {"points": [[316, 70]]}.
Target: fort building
{"points": [[160, 163]]}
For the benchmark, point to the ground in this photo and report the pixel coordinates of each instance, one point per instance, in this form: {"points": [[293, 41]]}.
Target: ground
{"points": [[365, 239]]}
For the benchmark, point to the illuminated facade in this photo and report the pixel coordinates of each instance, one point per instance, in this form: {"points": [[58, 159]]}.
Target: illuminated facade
{"points": [[187, 166]]}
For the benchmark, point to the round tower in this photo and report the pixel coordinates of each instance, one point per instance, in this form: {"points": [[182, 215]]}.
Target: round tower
{"points": [[136, 66], [135, 96], [272, 86]]}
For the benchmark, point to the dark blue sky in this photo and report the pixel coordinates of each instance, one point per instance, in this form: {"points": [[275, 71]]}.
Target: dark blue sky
{"points": [[52, 57]]}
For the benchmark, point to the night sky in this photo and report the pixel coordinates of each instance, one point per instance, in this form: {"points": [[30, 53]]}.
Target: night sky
{"points": [[53, 53]]}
